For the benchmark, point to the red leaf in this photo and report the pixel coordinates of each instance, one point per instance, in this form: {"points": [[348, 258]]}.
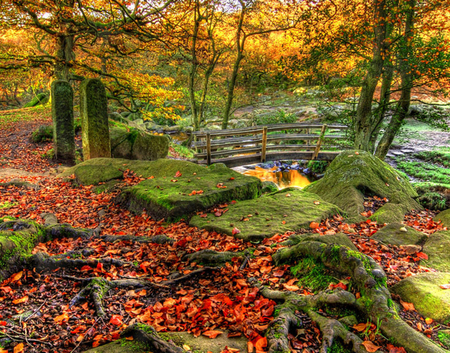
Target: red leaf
{"points": [[422, 256], [178, 174], [116, 320]]}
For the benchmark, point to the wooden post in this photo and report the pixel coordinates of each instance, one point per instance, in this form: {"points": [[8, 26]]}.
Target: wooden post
{"points": [[308, 131], [208, 148], [319, 142], [264, 145]]}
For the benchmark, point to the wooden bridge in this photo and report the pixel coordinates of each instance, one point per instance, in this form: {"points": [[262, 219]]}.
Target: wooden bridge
{"points": [[256, 144]]}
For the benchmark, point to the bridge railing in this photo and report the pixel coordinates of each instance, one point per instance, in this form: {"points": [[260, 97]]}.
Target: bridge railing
{"points": [[256, 144]]}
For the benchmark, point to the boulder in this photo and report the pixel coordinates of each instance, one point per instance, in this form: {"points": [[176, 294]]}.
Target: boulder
{"points": [[437, 248], [423, 290], [286, 210], [444, 217], [181, 188], [399, 234], [390, 213], [355, 174], [338, 239], [137, 144]]}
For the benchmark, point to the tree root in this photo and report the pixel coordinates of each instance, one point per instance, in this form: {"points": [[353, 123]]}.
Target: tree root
{"points": [[375, 301], [42, 262], [211, 257], [149, 336]]}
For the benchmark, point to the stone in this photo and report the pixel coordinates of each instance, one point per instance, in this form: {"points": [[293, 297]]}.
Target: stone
{"points": [[423, 290], [63, 123], [399, 234], [94, 119], [437, 248], [390, 213], [137, 144], [444, 217], [172, 196], [286, 210], [338, 239], [355, 174]]}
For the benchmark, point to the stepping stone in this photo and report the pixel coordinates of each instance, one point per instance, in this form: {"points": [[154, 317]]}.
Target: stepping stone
{"points": [[399, 234], [423, 290], [286, 210], [437, 248]]}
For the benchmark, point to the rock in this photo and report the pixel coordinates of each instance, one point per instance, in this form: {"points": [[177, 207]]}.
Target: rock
{"points": [[62, 116], [198, 188], [94, 119], [269, 187], [437, 248], [399, 234], [270, 214], [136, 144], [355, 174], [339, 239], [390, 213], [444, 217], [424, 292]]}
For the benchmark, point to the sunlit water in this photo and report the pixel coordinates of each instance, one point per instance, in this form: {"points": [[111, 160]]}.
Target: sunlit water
{"points": [[290, 178]]}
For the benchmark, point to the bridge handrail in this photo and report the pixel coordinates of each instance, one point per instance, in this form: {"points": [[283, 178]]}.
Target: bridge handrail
{"points": [[258, 143]]}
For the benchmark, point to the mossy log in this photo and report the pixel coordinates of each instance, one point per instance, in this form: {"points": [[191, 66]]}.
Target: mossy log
{"points": [[375, 302]]}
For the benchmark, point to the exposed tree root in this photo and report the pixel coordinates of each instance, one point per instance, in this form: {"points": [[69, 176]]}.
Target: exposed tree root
{"points": [[157, 239], [211, 257], [149, 336], [375, 301]]}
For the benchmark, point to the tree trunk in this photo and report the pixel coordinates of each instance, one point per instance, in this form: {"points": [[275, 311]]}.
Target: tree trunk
{"points": [[64, 54], [364, 118], [194, 66], [407, 83]]}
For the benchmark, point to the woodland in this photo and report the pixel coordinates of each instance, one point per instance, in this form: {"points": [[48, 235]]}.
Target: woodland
{"points": [[165, 255]]}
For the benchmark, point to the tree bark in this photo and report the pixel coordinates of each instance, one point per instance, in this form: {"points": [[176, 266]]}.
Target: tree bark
{"points": [[407, 83], [364, 117]]}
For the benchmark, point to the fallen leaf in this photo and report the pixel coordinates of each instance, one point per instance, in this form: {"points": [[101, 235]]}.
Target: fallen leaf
{"points": [[20, 300], [445, 286], [429, 321], [116, 320], [370, 346], [18, 348], [212, 333], [235, 231], [360, 327], [314, 225], [407, 306]]}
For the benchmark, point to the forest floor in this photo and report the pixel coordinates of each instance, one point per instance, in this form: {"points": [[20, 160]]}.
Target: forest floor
{"points": [[41, 302]]}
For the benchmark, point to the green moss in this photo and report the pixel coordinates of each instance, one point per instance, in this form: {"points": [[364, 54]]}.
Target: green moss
{"points": [[5, 205], [444, 337], [338, 347], [312, 274], [425, 171], [355, 174]]}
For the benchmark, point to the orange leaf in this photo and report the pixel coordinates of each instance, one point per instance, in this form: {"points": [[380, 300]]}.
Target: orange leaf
{"points": [[20, 300], [407, 306], [211, 333], [292, 288], [61, 318], [360, 327], [261, 344], [429, 321], [422, 256], [314, 225], [370, 346], [18, 348], [445, 286], [15, 277]]}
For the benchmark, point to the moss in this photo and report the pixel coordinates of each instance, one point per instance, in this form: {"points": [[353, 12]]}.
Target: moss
{"points": [[436, 247], [312, 274], [285, 210], [355, 174], [43, 133], [444, 337], [338, 347]]}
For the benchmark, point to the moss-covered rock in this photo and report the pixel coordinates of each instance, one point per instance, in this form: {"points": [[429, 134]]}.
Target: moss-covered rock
{"points": [[390, 213], [94, 119], [424, 292], [399, 234], [135, 144], [355, 174], [437, 248], [338, 238], [62, 116], [444, 337], [285, 210], [172, 196], [444, 217]]}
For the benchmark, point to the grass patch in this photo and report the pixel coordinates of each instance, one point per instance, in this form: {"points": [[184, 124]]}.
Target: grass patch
{"points": [[9, 117], [441, 157], [425, 171], [180, 151]]}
